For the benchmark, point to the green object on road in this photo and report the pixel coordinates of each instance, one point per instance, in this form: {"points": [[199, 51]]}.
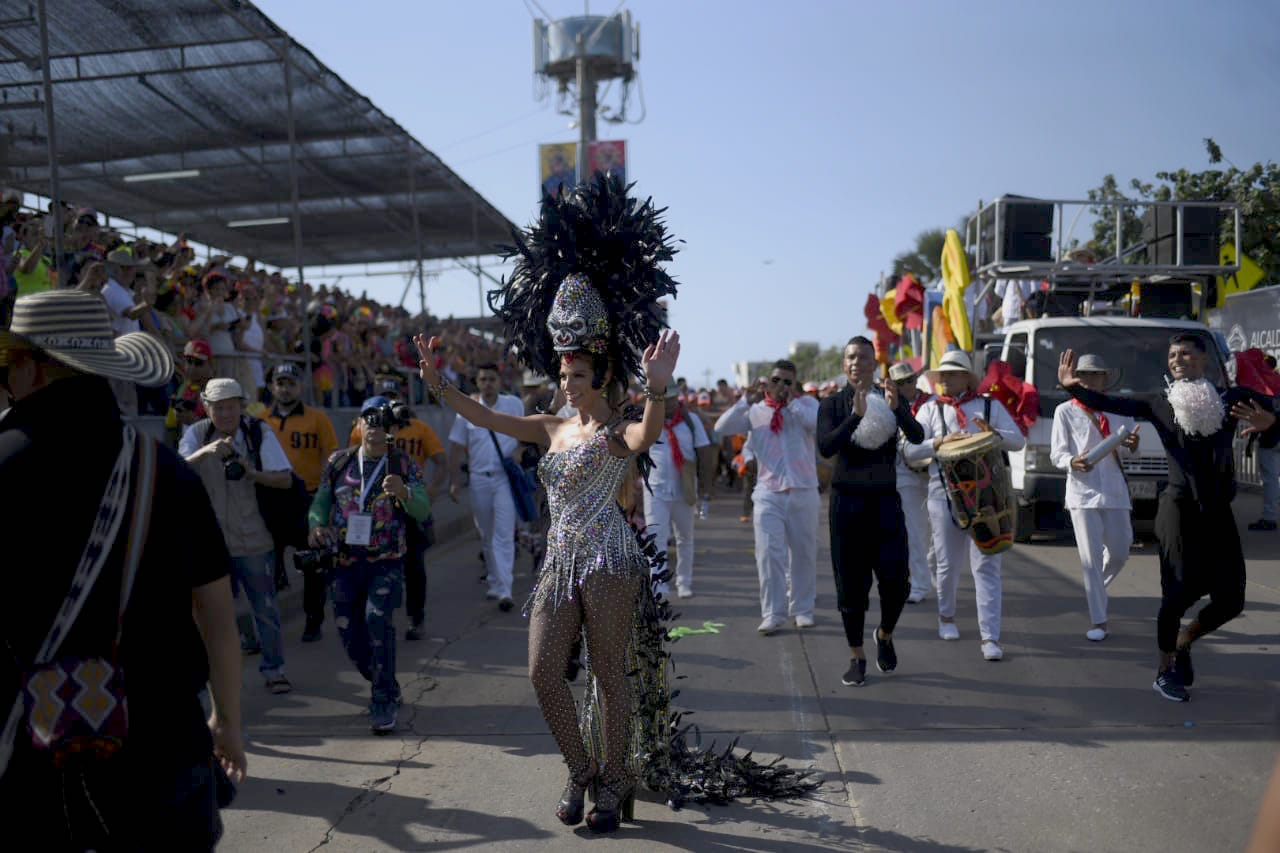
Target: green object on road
{"points": [[685, 631]]}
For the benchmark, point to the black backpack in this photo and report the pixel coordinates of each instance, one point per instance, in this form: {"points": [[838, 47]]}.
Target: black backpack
{"points": [[283, 510]]}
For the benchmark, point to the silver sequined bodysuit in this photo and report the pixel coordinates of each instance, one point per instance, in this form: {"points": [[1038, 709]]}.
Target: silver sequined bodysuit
{"points": [[588, 533]]}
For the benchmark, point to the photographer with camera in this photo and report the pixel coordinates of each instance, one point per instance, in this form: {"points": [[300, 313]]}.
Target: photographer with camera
{"points": [[308, 439], [367, 500], [420, 441], [233, 455]]}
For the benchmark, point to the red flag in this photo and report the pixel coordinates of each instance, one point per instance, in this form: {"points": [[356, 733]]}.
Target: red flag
{"points": [[1019, 397], [876, 321], [908, 301], [1252, 372]]}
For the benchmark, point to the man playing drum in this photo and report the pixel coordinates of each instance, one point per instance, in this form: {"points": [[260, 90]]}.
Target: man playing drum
{"points": [[955, 412], [1097, 494]]}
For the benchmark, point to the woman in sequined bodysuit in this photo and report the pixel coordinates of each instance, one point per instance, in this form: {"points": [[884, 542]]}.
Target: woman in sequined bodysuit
{"points": [[594, 571]]}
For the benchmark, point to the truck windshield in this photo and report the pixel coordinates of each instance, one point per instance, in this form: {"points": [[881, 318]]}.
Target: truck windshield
{"points": [[1138, 356]]}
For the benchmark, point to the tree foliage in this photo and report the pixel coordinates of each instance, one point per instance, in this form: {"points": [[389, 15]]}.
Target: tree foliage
{"points": [[814, 364], [1256, 189], [924, 259]]}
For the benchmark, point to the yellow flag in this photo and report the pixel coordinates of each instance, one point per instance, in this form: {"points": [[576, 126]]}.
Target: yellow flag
{"points": [[1246, 278], [955, 278], [888, 312]]}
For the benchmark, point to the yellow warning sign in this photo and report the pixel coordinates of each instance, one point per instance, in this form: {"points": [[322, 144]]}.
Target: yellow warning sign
{"points": [[1246, 278]]}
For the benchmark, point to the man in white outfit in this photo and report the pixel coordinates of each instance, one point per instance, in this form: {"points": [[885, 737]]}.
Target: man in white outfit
{"points": [[913, 490], [673, 485], [781, 425], [492, 506], [1097, 494], [954, 412]]}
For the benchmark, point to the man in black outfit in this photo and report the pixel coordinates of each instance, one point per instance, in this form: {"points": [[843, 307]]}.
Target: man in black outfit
{"points": [[859, 426], [1200, 551], [59, 443]]}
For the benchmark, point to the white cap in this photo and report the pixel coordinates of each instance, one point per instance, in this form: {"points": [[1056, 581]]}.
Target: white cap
{"points": [[222, 389]]}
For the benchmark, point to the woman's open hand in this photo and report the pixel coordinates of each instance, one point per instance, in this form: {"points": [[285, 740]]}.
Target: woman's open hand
{"points": [[659, 359]]}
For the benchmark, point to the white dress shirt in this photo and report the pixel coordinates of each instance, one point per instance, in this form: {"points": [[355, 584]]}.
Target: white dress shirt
{"points": [[1074, 434], [787, 459], [940, 419], [120, 300], [272, 454], [481, 458], [664, 479]]}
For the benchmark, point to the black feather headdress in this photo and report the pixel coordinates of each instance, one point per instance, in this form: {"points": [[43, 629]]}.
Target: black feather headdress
{"points": [[618, 244]]}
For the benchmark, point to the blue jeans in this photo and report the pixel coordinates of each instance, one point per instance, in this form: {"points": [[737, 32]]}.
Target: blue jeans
{"points": [[365, 596], [255, 575], [1269, 471]]}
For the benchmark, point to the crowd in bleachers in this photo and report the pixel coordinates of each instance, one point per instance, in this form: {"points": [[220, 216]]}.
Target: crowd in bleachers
{"points": [[240, 320]]}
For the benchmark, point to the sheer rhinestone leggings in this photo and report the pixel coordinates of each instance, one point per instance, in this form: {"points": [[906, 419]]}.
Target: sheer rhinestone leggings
{"points": [[606, 604]]}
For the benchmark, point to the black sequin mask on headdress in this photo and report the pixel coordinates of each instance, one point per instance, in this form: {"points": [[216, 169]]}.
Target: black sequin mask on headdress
{"points": [[588, 277]]}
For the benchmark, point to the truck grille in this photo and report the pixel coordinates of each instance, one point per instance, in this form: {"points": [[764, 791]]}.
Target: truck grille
{"points": [[1157, 466]]}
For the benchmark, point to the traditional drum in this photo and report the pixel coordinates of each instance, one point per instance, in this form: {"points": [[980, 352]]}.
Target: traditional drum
{"points": [[978, 489]]}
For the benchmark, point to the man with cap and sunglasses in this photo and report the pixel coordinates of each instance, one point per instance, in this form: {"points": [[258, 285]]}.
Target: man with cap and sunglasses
{"points": [[367, 498], [195, 368], [780, 424], [233, 454], [957, 411], [160, 790], [309, 439], [1097, 494]]}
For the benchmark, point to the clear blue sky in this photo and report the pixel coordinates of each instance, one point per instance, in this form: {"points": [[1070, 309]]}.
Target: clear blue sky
{"points": [[819, 136]]}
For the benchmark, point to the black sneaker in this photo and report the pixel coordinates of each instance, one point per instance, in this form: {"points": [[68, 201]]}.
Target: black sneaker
{"points": [[416, 630], [1168, 684], [311, 633], [506, 604], [886, 657], [1262, 524], [1182, 663], [857, 673]]}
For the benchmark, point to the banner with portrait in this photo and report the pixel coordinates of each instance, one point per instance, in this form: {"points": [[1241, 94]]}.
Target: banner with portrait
{"points": [[608, 156], [558, 166]]}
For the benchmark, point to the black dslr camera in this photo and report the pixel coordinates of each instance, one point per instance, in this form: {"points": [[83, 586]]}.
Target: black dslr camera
{"points": [[315, 561], [388, 416], [232, 467]]}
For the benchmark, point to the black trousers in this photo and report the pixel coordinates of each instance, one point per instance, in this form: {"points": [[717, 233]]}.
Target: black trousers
{"points": [[1200, 554], [868, 538], [415, 585]]}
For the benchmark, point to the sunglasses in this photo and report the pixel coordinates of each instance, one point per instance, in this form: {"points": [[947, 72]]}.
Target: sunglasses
{"points": [[776, 379], [375, 419], [193, 361]]}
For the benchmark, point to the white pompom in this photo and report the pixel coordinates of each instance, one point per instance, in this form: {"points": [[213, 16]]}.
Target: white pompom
{"points": [[877, 426], [1197, 406]]}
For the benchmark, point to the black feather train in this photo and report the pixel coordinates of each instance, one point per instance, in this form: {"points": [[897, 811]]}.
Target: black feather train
{"points": [[597, 230]]}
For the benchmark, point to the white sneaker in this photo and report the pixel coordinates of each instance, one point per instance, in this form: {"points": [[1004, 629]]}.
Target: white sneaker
{"points": [[804, 620], [991, 650], [684, 592], [948, 630], [916, 597], [770, 625], [1097, 635]]}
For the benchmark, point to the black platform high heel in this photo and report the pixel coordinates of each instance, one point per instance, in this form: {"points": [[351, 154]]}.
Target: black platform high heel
{"points": [[569, 809], [614, 804]]}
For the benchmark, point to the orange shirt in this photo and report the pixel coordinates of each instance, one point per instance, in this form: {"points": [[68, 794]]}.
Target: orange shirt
{"points": [[308, 439]]}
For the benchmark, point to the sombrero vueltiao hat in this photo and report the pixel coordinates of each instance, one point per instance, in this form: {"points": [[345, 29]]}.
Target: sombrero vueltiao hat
{"points": [[74, 327]]}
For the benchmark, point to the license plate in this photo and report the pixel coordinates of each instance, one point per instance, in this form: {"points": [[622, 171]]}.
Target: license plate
{"points": [[1142, 489]]}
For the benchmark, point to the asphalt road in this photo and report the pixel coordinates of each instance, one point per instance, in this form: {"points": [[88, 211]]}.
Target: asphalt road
{"points": [[1063, 746]]}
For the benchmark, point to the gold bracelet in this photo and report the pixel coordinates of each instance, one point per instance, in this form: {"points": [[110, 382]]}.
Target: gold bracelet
{"points": [[439, 388], [650, 394]]}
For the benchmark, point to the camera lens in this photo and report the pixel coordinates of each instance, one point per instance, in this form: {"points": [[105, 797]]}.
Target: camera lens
{"points": [[232, 469]]}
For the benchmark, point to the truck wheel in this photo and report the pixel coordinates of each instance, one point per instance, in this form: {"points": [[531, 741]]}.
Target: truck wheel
{"points": [[1024, 521]]}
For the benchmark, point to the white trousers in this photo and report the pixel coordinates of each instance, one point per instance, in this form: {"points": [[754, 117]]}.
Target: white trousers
{"points": [[495, 516], [914, 494], [952, 547], [662, 517], [1103, 537], [786, 527]]}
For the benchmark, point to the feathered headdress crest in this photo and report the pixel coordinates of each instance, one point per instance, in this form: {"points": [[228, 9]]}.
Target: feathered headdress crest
{"points": [[588, 276]]}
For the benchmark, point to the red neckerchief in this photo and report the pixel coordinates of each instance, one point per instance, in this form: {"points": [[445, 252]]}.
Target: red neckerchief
{"points": [[1103, 426], [676, 456], [775, 423], [952, 401], [921, 399]]}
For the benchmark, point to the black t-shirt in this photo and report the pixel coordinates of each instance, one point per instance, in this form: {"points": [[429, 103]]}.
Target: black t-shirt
{"points": [[57, 448]]}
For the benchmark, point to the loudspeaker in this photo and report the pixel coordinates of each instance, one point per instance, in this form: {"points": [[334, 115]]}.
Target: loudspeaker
{"points": [[1025, 226], [1168, 299], [1200, 235]]}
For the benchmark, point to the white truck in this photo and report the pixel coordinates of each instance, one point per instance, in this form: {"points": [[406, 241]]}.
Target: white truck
{"points": [[1136, 348]]}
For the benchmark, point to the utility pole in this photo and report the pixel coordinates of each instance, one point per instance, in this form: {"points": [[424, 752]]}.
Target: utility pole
{"points": [[586, 105]]}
